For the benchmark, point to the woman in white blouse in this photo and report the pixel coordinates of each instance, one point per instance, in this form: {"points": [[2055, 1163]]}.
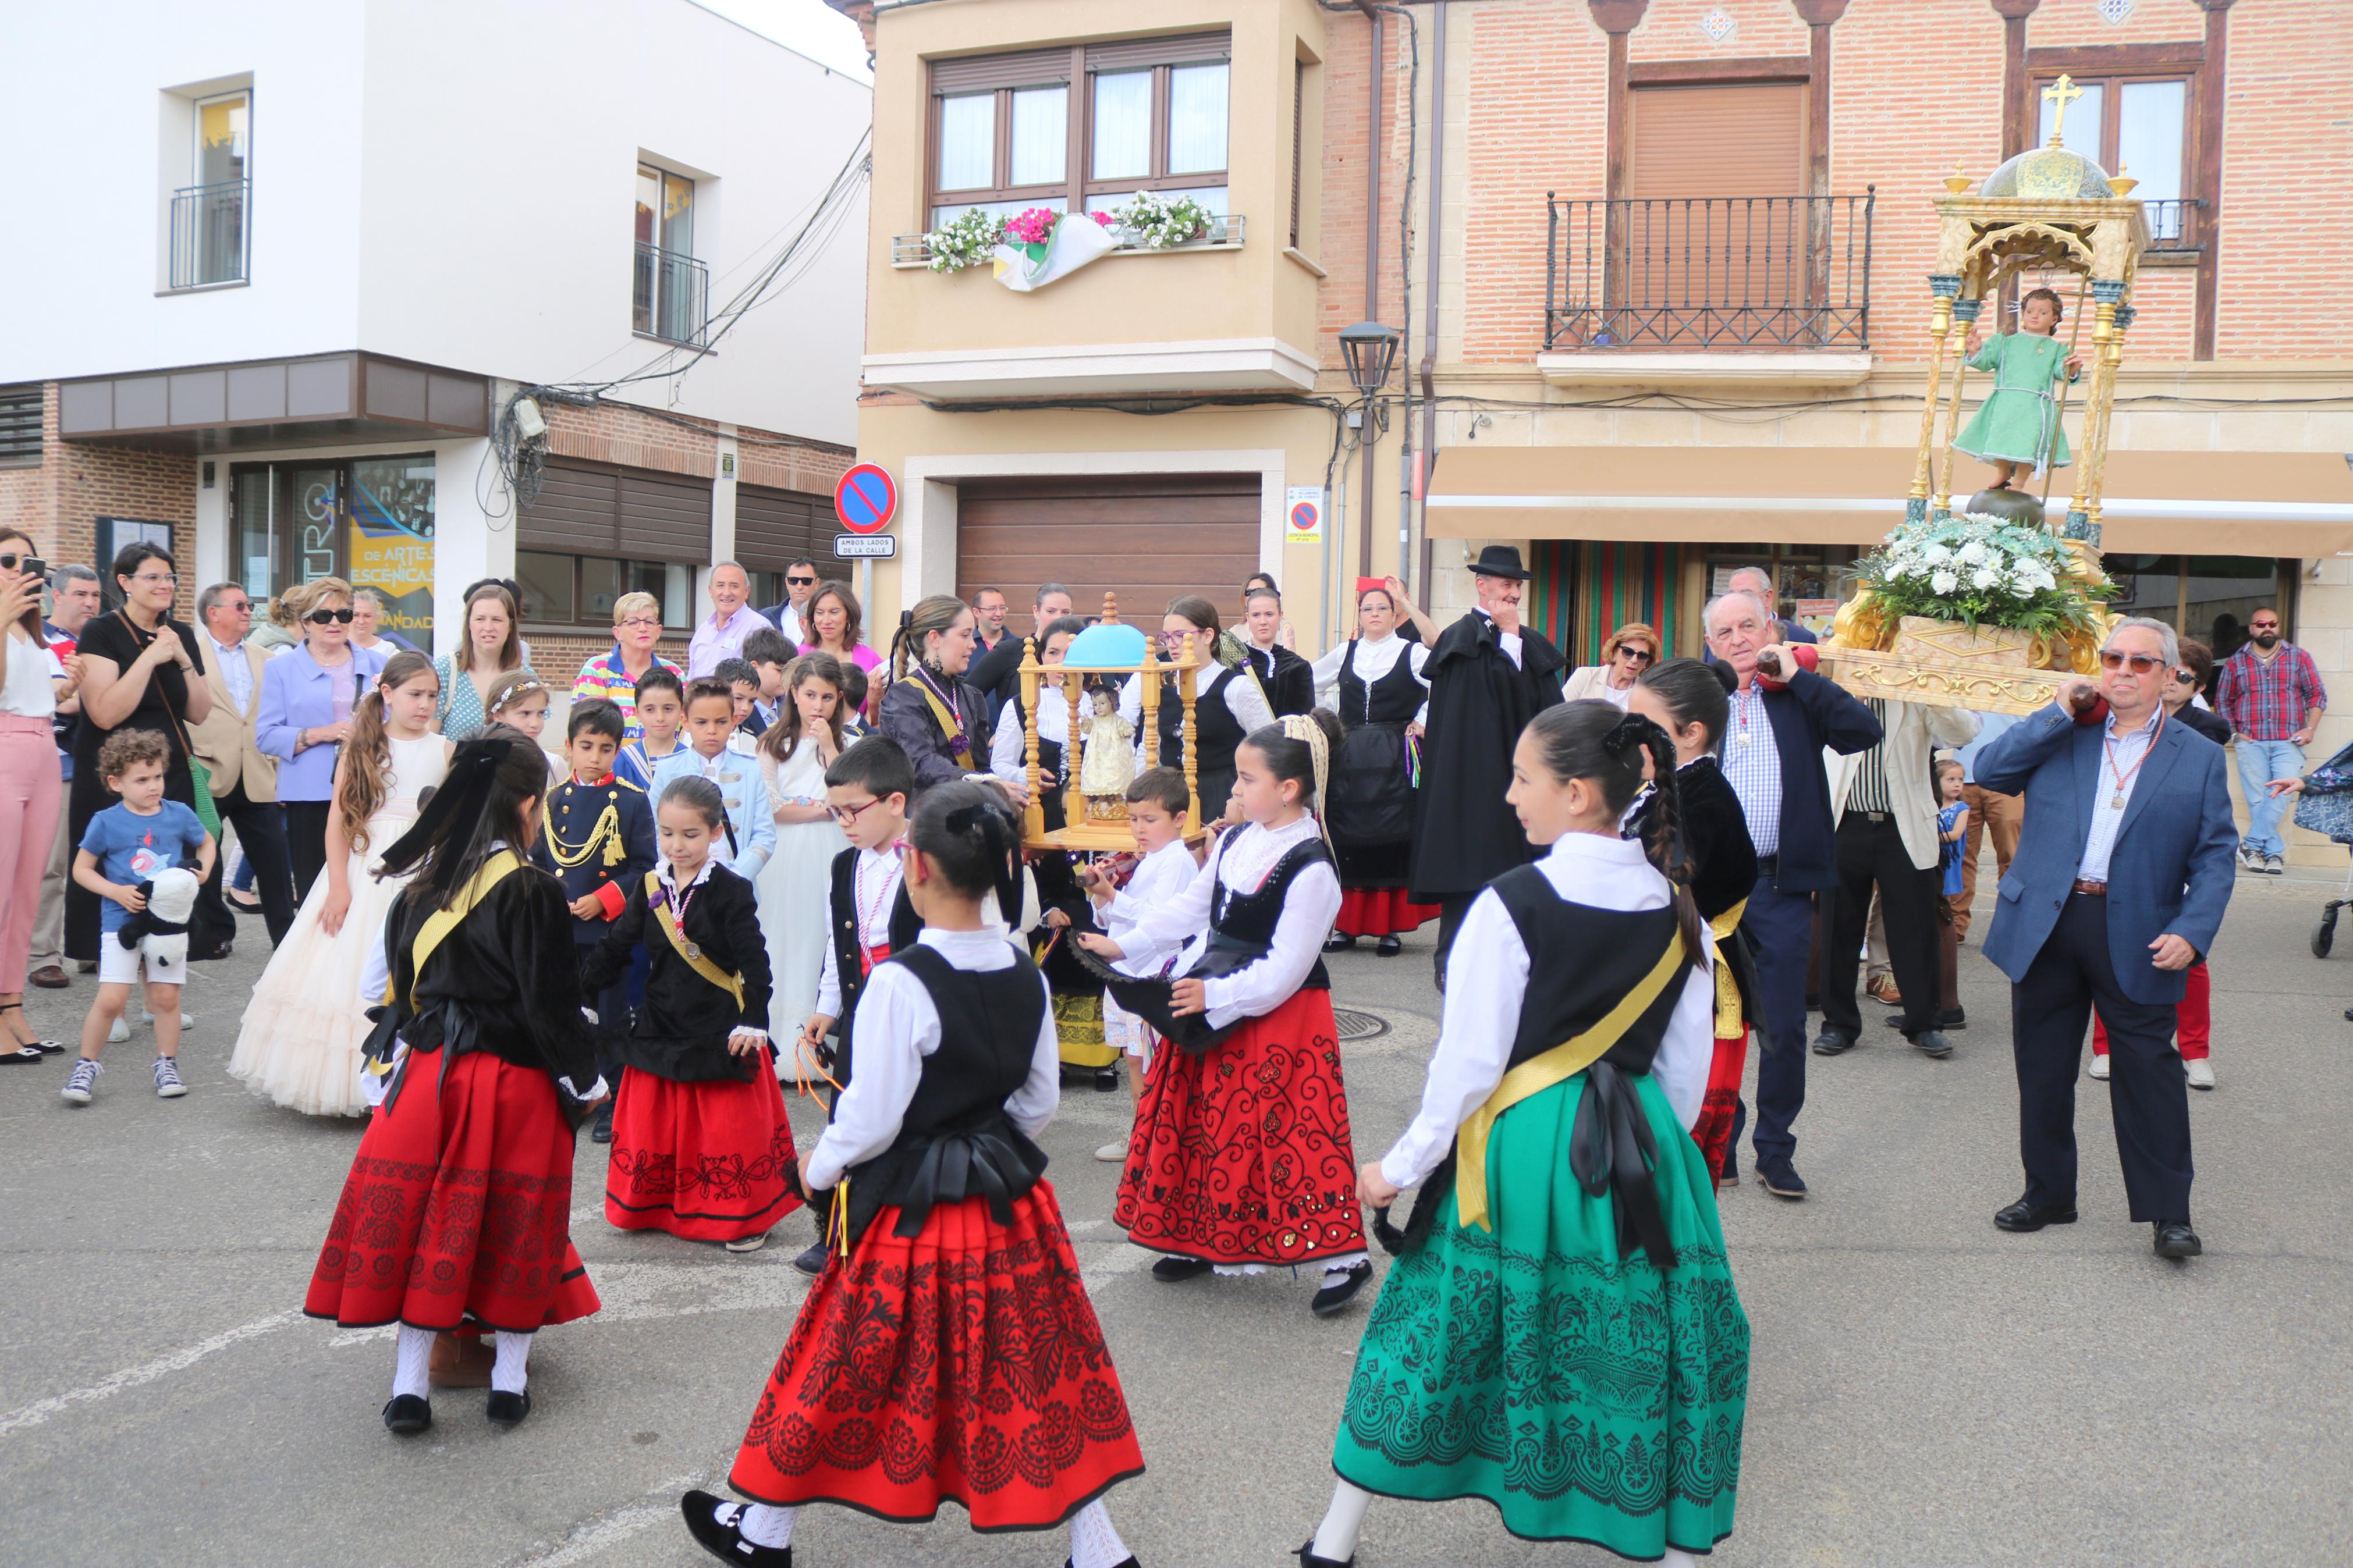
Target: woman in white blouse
{"points": [[1373, 682], [31, 795], [1632, 650]]}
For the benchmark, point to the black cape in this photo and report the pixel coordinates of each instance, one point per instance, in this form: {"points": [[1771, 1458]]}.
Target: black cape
{"points": [[1464, 834]]}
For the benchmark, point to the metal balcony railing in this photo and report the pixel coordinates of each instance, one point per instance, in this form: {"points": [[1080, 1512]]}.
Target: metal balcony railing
{"points": [[209, 234], [1229, 228], [2176, 226], [672, 297], [1708, 272]]}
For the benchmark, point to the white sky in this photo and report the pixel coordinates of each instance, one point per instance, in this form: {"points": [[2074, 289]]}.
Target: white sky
{"points": [[811, 27]]}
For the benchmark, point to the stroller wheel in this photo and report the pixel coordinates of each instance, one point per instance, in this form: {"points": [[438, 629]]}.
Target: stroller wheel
{"points": [[2323, 935]]}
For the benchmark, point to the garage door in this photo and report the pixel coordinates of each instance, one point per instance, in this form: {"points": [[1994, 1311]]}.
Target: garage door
{"points": [[1147, 537]]}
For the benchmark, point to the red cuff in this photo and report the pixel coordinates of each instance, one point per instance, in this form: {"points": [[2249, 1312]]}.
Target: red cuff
{"points": [[613, 899]]}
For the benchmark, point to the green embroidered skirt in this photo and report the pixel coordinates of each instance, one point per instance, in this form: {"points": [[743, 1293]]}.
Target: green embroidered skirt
{"points": [[1588, 1397]]}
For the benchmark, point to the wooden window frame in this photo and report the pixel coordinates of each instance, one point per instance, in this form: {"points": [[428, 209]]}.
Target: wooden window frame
{"points": [[1298, 138], [1074, 70], [592, 628], [2160, 63]]}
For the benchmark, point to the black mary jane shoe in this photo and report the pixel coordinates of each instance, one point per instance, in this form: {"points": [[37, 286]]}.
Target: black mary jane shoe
{"points": [[509, 1409], [1171, 1270], [1307, 1558], [602, 1132], [722, 1538], [1339, 942], [406, 1415], [1389, 947], [2022, 1216], [1127, 1561], [22, 1057], [1332, 1297]]}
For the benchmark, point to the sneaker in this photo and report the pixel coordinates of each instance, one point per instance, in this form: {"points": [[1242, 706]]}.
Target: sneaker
{"points": [[1111, 1154], [2201, 1073], [118, 1031], [2274, 867], [85, 1079], [187, 1021], [2248, 860], [167, 1080], [748, 1243], [2100, 1067]]}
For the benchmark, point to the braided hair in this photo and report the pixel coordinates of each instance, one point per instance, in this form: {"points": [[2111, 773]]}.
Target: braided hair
{"points": [[964, 829], [1694, 692], [1591, 740]]}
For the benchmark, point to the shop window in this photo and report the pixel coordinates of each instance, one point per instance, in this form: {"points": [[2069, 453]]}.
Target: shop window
{"points": [[566, 591], [366, 519], [2208, 597]]}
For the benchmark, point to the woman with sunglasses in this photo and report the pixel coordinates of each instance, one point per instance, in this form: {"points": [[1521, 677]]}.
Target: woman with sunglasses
{"points": [[308, 694], [1632, 650], [140, 671]]}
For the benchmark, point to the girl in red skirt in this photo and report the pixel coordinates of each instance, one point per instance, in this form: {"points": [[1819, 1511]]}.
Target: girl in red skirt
{"points": [[1241, 1158], [700, 1146], [951, 1351], [459, 1203]]}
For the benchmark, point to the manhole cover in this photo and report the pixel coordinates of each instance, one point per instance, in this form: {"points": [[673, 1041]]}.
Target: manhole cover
{"points": [[1355, 1025]]}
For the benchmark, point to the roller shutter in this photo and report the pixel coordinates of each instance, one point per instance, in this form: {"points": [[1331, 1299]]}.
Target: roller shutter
{"points": [[1747, 140], [1147, 537], [775, 528], [596, 508]]}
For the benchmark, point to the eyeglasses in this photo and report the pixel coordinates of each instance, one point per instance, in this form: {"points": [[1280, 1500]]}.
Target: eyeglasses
{"points": [[636, 621], [2142, 663], [2187, 676], [846, 815], [800, 581], [321, 617], [240, 608], [1638, 655], [2259, 625], [172, 578]]}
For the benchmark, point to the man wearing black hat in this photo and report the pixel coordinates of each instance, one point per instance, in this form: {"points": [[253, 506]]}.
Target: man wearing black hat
{"points": [[1488, 676]]}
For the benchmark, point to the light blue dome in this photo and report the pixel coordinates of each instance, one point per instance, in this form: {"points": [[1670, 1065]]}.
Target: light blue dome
{"points": [[1106, 648]]}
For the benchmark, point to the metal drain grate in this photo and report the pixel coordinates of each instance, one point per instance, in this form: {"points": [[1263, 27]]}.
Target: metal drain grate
{"points": [[1355, 1025]]}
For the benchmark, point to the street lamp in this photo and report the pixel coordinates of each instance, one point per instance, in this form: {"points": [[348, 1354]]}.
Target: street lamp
{"points": [[1369, 349]]}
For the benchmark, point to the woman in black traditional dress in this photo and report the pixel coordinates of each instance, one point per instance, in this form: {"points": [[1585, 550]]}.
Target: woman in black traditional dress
{"points": [[1373, 682], [1229, 701], [938, 719]]}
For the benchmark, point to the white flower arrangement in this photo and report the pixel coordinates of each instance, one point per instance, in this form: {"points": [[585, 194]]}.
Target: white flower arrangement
{"points": [[1975, 569], [1158, 223], [965, 241]]}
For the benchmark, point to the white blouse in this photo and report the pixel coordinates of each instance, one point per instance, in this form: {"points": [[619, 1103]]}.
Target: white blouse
{"points": [[1164, 873], [1375, 658], [1007, 744], [898, 1026], [1241, 860], [28, 691], [1487, 978], [874, 888], [1245, 699]]}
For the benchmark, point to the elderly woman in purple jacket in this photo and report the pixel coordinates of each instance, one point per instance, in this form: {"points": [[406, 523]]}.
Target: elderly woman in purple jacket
{"points": [[308, 693]]}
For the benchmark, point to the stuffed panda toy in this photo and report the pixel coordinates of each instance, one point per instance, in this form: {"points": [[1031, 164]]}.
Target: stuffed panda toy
{"points": [[160, 931]]}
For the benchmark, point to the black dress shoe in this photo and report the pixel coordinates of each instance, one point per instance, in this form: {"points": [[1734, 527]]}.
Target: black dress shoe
{"points": [[509, 1409], [1338, 942], [1170, 1270], [1389, 947], [1832, 1042], [1781, 1178], [213, 955], [1332, 1297], [1126, 1562], [1932, 1043], [2178, 1241], [2023, 1216], [1307, 1558], [406, 1415], [602, 1132], [242, 906], [713, 1524], [1955, 1018], [812, 1257]]}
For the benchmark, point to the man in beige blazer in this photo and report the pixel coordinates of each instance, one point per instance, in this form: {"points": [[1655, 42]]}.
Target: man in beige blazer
{"points": [[245, 777]]}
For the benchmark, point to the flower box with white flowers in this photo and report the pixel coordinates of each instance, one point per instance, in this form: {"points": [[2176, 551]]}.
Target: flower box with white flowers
{"points": [[1977, 611]]}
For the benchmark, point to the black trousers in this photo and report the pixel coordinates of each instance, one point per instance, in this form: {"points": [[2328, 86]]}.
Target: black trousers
{"points": [[1871, 853], [306, 842], [2149, 1098], [262, 829]]}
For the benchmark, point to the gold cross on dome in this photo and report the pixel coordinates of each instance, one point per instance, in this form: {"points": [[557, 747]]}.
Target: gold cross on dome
{"points": [[2058, 95]]}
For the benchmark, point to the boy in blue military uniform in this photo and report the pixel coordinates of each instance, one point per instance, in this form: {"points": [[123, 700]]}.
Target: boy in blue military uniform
{"points": [[596, 835], [751, 835]]}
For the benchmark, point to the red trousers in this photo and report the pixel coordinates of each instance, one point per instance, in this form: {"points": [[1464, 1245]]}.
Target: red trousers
{"points": [[2193, 1014]]}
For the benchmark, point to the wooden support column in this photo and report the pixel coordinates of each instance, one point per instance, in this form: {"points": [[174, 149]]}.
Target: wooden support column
{"points": [[2213, 84], [1617, 18], [1820, 16]]}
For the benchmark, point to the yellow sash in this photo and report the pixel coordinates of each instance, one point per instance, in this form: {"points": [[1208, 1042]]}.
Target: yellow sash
{"points": [[1540, 1073], [441, 922], [695, 958], [1728, 1019], [948, 726]]}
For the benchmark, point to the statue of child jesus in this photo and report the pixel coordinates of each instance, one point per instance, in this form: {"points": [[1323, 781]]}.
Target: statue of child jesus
{"points": [[2017, 426]]}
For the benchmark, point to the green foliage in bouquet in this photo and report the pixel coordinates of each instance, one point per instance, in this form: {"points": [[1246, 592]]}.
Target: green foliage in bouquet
{"points": [[1980, 569]]}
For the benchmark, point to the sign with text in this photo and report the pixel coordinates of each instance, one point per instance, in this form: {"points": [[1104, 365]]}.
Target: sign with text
{"points": [[1303, 514], [865, 546]]}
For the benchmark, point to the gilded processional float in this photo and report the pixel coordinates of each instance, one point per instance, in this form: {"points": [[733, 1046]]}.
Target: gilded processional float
{"points": [[1990, 607]]}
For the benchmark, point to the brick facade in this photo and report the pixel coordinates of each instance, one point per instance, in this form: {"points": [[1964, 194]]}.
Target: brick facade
{"points": [[60, 501], [635, 438]]}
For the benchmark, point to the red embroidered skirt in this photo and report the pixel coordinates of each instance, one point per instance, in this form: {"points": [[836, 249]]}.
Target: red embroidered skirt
{"points": [[1242, 1155], [458, 1206], [1713, 1130], [1381, 912], [708, 1162], [961, 1363]]}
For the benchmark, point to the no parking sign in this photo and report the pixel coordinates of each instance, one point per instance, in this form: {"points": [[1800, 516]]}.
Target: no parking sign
{"points": [[1303, 518]]}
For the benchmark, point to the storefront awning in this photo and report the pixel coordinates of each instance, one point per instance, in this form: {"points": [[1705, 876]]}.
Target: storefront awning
{"points": [[2210, 503]]}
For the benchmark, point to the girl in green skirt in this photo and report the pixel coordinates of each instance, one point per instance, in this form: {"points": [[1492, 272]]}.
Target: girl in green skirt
{"points": [[1559, 1334]]}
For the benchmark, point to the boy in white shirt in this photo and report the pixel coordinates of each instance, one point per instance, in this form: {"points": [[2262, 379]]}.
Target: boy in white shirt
{"points": [[1155, 814], [751, 836]]}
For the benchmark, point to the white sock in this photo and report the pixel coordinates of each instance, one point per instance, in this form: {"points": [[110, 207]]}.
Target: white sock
{"points": [[1335, 1537], [507, 1375], [1335, 1270], [1094, 1542], [1676, 1558], [412, 1372], [764, 1526]]}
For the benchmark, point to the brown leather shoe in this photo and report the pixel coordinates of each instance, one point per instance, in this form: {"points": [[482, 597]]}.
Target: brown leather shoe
{"points": [[460, 1362], [49, 977], [1882, 989]]}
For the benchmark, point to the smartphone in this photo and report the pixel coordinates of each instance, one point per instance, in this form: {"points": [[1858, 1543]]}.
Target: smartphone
{"points": [[30, 565]]}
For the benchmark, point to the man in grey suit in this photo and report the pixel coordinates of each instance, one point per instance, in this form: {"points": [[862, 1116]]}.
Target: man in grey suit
{"points": [[2124, 868]]}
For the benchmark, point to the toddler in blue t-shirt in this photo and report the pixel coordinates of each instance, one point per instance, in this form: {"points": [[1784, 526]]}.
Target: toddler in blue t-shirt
{"points": [[124, 848]]}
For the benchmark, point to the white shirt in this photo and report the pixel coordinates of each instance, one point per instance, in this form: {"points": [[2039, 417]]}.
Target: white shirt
{"points": [[1487, 978], [898, 1026], [1160, 876], [874, 890], [2120, 753], [1375, 658], [1245, 699], [30, 690], [1508, 641], [1007, 744], [1752, 766], [235, 672], [1241, 861]]}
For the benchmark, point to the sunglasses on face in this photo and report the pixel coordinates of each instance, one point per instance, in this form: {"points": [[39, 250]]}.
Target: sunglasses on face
{"points": [[2142, 663], [801, 582], [2187, 676], [30, 565], [1638, 655], [2259, 625], [321, 617]]}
